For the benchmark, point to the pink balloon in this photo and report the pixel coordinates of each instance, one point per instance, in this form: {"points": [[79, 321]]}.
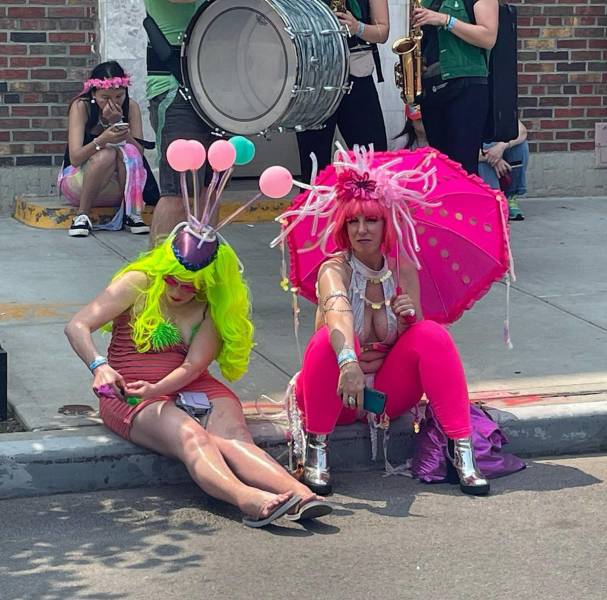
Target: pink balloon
{"points": [[178, 155], [197, 154], [221, 155], [276, 182]]}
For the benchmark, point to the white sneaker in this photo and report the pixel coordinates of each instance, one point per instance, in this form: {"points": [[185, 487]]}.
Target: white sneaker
{"points": [[135, 224], [81, 226]]}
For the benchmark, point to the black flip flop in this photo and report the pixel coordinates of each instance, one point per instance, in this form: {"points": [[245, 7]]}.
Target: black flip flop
{"points": [[279, 511], [311, 510]]}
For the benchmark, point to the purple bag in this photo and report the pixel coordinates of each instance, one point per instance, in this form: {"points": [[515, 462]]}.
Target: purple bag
{"points": [[430, 463]]}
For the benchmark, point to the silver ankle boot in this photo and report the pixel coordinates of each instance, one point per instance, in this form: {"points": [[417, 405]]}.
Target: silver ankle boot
{"points": [[462, 469], [316, 466]]}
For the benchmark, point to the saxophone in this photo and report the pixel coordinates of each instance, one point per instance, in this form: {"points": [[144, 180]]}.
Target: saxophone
{"points": [[408, 69]]}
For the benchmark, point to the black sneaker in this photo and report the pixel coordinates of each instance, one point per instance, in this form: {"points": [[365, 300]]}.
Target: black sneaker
{"points": [[81, 226], [136, 225]]}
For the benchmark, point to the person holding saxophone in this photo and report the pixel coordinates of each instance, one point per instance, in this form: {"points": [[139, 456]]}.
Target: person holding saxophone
{"points": [[457, 35], [359, 115]]}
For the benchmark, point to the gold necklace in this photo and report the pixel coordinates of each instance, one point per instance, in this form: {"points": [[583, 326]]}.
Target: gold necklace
{"points": [[374, 305]]}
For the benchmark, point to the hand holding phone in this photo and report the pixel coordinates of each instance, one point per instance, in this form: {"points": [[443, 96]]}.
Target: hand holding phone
{"points": [[374, 401], [120, 126]]}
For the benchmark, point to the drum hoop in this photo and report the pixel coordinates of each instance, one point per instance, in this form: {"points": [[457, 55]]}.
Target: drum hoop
{"points": [[292, 67]]}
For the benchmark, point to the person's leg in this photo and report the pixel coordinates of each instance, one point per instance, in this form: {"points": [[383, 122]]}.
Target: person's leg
{"points": [[180, 122], [425, 359], [487, 173], [434, 125], [318, 142], [316, 391], [167, 430], [98, 171], [465, 118], [229, 431], [518, 155], [360, 118]]}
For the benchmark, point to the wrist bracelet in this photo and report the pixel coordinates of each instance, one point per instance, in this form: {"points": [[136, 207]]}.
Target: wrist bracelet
{"points": [[97, 362], [360, 29], [347, 362], [451, 23], [345, 356], [98, 146]]}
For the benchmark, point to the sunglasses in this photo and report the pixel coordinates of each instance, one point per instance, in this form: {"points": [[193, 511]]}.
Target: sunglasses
{"points": [[186, 287]]}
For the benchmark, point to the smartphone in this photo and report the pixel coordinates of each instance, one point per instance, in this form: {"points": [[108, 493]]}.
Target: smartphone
{"points": [[374, 401], [516, 163], [196, 404], [120, 126]]}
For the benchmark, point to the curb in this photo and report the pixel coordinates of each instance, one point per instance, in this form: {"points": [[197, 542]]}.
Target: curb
{"points": [[92, 458], [49, 213]]}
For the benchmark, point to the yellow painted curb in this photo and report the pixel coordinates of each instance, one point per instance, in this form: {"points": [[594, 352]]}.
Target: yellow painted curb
{"points": [[45, 213]]}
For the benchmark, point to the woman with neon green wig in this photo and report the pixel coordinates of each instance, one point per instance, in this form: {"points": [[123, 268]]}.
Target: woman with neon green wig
{"points": [[173, 311]]}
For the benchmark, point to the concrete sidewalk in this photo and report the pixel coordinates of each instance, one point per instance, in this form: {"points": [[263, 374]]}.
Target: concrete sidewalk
{"points": [[549, 391]]}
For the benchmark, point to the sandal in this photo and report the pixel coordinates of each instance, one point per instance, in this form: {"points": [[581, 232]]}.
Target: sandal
{"points": [[279, 511], [311, 510]]}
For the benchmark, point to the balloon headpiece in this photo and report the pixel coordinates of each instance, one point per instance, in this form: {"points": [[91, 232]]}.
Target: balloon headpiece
{"points": [[195, 242]]}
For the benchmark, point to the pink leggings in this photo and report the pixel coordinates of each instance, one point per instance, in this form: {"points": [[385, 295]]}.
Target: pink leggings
{"points": [[423, 359]]}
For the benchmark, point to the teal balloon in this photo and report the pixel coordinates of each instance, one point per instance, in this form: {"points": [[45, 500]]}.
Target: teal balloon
{"points": [[245, 149]]}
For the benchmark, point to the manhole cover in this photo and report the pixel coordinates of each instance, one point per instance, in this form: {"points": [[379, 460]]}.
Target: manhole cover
{"points": [[77, 409]]}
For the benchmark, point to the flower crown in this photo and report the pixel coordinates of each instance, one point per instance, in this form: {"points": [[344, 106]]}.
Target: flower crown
{"points": [[195, 241], [108, 83]]}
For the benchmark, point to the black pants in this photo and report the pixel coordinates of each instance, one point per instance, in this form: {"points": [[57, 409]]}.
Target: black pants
{"points": [[360, 121], [456, 127]]}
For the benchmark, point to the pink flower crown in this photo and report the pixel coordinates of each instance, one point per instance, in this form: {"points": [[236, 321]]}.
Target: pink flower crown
{"points": [[106, 84]]}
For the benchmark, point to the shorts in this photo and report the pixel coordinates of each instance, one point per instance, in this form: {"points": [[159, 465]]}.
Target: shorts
{"points": [[181, 122], [70, 186]]}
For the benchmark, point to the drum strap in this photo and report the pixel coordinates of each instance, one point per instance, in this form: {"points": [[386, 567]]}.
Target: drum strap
{"points": [[157, 66], [376, 58], [162, 57], [377, 61], [162, 110]]}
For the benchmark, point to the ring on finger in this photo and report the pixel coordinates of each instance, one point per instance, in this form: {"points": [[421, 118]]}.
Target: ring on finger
{"points": [[351, 401]]}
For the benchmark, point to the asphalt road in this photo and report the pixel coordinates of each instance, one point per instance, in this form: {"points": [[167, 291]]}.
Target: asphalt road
{"points": [[541, 534]]}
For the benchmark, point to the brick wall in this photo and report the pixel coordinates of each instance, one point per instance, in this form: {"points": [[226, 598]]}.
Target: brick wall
{"points": [[562, 71], [45, 54]]}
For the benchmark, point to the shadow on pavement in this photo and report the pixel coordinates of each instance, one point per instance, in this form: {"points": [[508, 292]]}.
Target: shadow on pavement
{"points": [[78, 532]]}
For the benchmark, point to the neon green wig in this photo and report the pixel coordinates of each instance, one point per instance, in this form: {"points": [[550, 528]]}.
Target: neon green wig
{"points": [[220, 283]]}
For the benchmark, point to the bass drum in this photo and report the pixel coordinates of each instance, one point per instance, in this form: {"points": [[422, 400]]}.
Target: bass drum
{"points": [[252, 66]]}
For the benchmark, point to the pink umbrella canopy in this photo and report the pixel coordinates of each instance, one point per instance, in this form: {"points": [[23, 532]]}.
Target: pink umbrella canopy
{"points": [[462, 238]]}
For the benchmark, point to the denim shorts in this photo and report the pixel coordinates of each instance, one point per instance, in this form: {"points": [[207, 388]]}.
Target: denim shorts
{"points": [[181, 121]]}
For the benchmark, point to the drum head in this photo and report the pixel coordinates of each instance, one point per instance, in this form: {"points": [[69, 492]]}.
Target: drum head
{"points": [[239, 65]]}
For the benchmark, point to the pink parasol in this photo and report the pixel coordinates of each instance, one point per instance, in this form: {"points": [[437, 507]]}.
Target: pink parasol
{"points": [[460, 225]]}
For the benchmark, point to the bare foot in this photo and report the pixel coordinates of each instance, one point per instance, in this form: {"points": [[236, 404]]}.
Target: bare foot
{"points": [[262, 504]]}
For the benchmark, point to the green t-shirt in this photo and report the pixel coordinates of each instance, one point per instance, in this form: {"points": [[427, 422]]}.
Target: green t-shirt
{"points": [[173, 19]]}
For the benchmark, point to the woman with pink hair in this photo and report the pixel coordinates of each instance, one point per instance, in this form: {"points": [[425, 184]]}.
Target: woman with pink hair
{"points": [[370, 331]]}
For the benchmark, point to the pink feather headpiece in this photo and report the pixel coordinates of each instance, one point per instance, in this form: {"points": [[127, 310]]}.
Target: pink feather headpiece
{"points": [[108, 83], [359, 179]]}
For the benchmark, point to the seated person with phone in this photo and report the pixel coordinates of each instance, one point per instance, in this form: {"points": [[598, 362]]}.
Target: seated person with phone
{"points": [[173, 311], [372, 350], [503, 165], [103, 165]]}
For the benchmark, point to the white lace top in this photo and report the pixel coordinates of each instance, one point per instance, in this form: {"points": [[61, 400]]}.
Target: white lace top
{"points": [[361, 275]]}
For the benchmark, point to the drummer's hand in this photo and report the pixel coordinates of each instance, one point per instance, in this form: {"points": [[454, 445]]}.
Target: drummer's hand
{"points": [[351, 385], [404, 309], [349, 20], [425, 16]]}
